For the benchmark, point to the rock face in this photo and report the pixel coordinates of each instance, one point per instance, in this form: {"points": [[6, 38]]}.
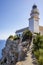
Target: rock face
{"points": [[14, 51], [19, 63]]}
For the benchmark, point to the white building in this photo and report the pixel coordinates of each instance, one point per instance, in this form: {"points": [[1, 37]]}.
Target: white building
{"points": [[33, 22]]}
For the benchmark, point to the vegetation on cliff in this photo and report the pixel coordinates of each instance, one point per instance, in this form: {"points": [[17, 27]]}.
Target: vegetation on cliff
{"points": [[38, 48], [15, 37], [27, 35], [16, 49]]}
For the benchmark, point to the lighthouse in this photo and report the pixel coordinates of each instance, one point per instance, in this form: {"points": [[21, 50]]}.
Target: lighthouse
{"points": [[33, 26], [34, 20]]}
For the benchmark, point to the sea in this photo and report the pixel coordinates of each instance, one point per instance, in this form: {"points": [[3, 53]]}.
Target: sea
{"points": [[2, 45]]}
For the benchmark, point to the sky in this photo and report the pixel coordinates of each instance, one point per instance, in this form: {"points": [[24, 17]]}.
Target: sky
{"points": [[14, 15]]}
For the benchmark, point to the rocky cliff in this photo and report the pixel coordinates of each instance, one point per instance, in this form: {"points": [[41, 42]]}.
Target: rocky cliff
{"points": [[14, 51]]}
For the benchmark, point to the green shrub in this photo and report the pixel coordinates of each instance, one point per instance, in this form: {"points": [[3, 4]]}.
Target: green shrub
{"points": [[27, 35], [36, 53], [38, 48], [40, 60], [41, 52], [16, 37], [38, 42], [41, 46], [11, 37]]}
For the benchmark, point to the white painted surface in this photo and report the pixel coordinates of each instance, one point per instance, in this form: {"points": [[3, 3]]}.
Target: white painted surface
{"points": [[31, 25], [19, 33], [36, 26]]}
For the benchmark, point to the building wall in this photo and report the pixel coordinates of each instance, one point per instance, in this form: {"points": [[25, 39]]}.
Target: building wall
{"points": [[41, 32], [36, 26], [19, 33], [31, 25]]}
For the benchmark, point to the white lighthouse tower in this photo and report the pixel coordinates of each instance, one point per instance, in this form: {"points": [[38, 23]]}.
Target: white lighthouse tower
{"points": [[34, 20]]}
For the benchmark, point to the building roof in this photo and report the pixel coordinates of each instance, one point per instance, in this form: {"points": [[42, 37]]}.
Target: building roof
{"points": [[21, 30]]}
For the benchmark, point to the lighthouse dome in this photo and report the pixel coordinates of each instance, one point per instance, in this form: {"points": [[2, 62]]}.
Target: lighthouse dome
{"points": [[34, 6], [34, 10]]}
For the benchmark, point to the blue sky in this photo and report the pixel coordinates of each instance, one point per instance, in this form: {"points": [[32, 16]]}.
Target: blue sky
{"points": [[14, 15]]}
